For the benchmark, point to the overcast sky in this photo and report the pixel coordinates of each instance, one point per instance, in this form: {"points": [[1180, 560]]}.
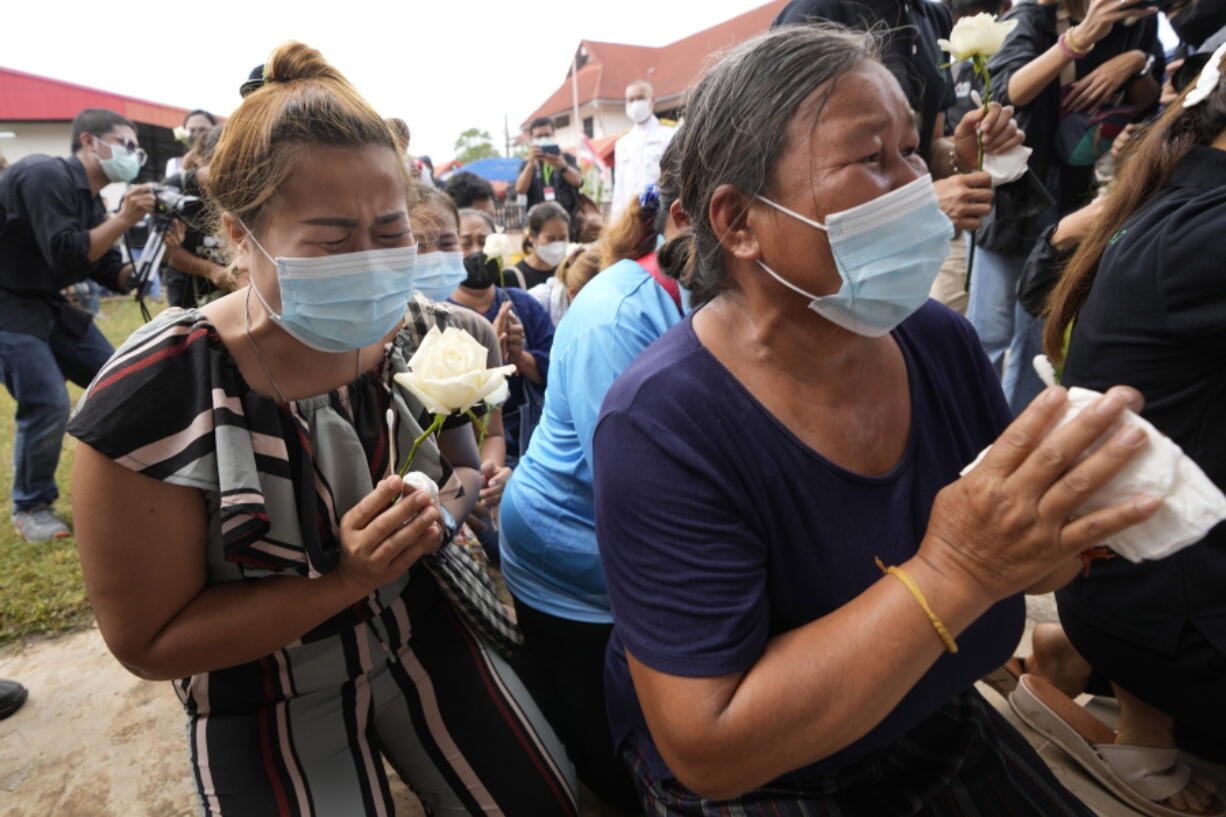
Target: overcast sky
{"points": [[443, 66]]}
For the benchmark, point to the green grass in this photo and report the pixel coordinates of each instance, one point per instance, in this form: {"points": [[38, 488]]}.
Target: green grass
{"points": [[41, 592]]}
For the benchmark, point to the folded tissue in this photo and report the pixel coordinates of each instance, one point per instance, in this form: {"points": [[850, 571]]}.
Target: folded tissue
{"points": [[1191, 505]]}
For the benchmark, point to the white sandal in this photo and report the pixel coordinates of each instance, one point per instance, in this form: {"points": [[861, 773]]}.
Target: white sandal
{"points": [[1142, 777]]}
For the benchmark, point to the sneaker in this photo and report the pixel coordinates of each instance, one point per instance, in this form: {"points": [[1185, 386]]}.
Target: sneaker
{"points": [[39, 524], [12, 696]]}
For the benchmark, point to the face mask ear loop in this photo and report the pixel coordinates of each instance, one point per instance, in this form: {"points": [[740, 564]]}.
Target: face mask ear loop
{"points": [[770, 271], [256, 289], [787, 284], [793, 214]]}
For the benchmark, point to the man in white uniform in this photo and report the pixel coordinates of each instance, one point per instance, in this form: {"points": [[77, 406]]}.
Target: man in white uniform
{"points": [[637, 154]]}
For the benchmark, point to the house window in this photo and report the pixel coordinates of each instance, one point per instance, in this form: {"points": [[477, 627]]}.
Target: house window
{"points": [[589, 127], [561, 121]]}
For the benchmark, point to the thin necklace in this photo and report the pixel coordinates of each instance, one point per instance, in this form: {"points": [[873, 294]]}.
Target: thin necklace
{"points": [[357, 353]]}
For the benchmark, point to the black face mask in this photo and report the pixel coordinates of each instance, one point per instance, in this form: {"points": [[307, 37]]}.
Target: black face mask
{"points": [[482, 272]]}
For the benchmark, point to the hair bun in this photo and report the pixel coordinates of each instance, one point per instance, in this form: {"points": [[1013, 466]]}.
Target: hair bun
{"points": [[294, 61]]}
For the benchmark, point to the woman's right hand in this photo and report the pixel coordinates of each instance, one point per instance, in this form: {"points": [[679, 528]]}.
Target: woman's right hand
{"points": [[1005, 526], [1101, 16], [381, 540]]}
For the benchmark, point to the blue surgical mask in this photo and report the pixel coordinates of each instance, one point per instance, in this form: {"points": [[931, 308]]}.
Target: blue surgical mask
{"points": [[439, 274], [338, 303], [888, 252], [124, 165]]}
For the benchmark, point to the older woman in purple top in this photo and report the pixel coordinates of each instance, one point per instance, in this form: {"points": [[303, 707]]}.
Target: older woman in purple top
{"points": [[751, 464]]}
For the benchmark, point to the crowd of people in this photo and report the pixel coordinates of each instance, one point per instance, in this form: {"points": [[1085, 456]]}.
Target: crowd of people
{"points": [[724, 489]]}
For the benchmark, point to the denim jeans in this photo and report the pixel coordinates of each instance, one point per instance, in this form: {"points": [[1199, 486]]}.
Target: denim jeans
{"points": [[34, 371], [1004, 326]]}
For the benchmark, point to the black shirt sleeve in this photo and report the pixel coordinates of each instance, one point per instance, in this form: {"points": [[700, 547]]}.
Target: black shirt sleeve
{"points": [[106, 271], [1028, 40], [50, 201]]}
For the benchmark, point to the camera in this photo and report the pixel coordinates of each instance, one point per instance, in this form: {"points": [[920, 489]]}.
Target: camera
{"points": [[171, 201], [551, 149]]}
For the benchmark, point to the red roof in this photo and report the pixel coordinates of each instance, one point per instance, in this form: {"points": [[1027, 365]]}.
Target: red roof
{"points": [[27, 97], [672, 69]]}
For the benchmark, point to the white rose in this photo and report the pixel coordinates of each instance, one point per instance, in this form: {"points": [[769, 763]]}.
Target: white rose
{"points": [[181, 134], [497, 245], [448, 375], [979, 35]]}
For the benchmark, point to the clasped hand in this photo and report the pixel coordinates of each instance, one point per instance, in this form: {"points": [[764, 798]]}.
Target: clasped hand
{"points": [[1006, 527], [382, 538]]}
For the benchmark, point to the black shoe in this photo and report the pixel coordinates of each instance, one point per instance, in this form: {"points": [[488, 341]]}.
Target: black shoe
{"points": [[12, 696]]}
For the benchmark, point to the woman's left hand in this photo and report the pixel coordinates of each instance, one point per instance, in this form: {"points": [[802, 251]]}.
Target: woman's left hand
{"points": [[1096, 87], [999, 129], [493, 483], [515, 338]]}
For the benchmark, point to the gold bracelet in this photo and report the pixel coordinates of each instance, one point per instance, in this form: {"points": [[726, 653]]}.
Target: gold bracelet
{"points": [[1071, 40], [905, 577]]}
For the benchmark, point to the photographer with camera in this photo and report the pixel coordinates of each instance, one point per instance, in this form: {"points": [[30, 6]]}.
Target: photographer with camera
{"points": [[548, 174], [55, 233], [195, 272]]}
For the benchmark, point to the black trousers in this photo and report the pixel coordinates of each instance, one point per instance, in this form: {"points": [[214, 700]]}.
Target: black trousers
{"points": [[1188, 685], [562, 664]]}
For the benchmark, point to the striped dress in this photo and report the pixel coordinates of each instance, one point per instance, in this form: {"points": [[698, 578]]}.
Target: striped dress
{"points": [[400, 676]]}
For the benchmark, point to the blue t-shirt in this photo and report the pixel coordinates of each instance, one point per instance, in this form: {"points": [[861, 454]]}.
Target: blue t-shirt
{"points": [[719, 529], [549, 554]]}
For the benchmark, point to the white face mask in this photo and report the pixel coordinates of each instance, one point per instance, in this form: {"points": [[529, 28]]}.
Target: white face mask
{"points": [[552, 254], [639, 110]]}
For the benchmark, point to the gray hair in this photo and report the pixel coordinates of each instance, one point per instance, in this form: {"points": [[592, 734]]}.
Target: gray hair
{"points": [[737, 121]]}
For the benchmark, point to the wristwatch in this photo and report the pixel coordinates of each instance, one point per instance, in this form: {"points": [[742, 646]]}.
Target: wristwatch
{"points": [[450, 528]]}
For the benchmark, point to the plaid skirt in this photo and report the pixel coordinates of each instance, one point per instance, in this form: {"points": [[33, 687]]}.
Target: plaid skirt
{"points": [[965, 760]]}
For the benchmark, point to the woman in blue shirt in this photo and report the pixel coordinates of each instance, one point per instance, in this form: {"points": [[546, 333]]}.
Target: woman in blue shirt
{"points": [[752, 463], [548, 542]]}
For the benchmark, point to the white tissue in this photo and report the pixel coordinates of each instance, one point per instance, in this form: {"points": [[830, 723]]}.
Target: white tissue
{"points": [[1008, 166], [1191, 505], [1004, 167], [420, 482]]}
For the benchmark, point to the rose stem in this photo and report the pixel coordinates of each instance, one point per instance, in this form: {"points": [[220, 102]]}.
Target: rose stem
{"points": [[483, 428], [435, 426]]}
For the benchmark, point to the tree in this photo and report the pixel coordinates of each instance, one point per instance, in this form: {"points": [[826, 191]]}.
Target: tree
{"points": [[474, 144]]}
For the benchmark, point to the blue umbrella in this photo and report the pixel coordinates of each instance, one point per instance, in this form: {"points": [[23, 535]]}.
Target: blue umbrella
{"points": [[494, 169]]}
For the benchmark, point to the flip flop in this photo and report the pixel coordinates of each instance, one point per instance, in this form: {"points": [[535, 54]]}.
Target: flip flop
{"points": [[1140, 776], [1004, 679]]}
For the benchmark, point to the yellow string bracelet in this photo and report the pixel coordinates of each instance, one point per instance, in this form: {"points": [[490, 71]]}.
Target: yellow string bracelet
{"points": [[905, 577]]}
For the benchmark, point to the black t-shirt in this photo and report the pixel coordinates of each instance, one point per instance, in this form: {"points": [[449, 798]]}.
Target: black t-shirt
{"points": [[548, 176], [910, 50], [1155, 319], [531, 275]]}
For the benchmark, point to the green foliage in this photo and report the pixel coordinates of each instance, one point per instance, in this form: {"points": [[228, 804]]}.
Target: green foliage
{"points": [[41, 592], [474, 144]]}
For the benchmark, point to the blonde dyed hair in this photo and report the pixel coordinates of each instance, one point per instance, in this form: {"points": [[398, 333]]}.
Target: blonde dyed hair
{"points": [[579, 267], [304, 102]]}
